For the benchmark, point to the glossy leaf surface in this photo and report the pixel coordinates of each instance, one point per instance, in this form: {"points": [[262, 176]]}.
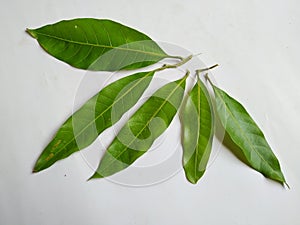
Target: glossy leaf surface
{"points": [[98, 44], [97, 114], [197, 130], [141, 130], [245, 133]]}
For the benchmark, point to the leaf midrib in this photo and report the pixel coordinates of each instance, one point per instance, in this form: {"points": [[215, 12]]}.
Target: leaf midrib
{"points": [[102, 46], [148, 122], [199, 126], [246, 138]]}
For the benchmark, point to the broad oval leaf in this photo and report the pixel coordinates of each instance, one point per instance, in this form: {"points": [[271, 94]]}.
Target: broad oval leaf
{"points": [[245, 133], [141, 130], [98, 44], [97, 114], [197, 129]]}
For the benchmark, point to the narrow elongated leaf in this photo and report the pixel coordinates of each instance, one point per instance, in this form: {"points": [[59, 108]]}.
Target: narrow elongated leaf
{"points": [[198, 129], [141, 130], [97, 114], [98, 44], [245, 133]]}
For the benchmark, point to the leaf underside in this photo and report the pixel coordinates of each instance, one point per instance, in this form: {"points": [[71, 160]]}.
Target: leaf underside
{"points": [[98, 44], [245, 133], [96, 115], [198, 129], [141, 130]]}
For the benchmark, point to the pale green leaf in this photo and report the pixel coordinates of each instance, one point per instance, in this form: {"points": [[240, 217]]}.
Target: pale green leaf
{"points": [[245, 133], [197, 132]]}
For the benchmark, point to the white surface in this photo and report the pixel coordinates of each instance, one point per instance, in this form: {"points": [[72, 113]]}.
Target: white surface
{"points": [[257, 46]]}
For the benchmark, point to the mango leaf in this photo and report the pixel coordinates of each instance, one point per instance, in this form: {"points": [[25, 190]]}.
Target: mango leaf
{"points": [[141, 130], [98, 44], [97, 114], [245, 133], [197, 129]]}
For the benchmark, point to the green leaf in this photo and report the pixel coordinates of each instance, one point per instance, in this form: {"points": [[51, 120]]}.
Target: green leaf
{"points": [[198, 129], [141, 130], [98, 44], [245, 133], [97, 114]]}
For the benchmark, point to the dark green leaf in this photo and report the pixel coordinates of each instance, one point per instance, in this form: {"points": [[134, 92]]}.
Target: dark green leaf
{"points": [[96, 44], [141, 130], [97, 114], [245, 133], [198, 129]]}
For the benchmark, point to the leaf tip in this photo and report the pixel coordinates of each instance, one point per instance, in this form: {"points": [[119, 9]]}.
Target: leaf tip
{"points": [[192, 181], [286, 184], [36, 168], [40, 165], [31, 33], [94, 176]]}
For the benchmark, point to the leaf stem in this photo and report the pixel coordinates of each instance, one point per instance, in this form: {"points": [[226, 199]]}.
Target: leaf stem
{"points": [[205, 69], [207, 78], [187, 73], [175, 57], [172, 66]]}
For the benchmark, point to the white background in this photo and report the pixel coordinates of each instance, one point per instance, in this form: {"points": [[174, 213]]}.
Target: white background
{"points": [[257, 46]]}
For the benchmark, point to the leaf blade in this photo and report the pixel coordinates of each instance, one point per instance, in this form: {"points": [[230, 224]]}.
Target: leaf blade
{"points": [[98, 44], [96, 115], [141, 130], [246, 134], [197, 128]]}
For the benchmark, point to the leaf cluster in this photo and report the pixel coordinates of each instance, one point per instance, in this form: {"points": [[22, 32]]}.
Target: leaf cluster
{"points": [[105, 45]]}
